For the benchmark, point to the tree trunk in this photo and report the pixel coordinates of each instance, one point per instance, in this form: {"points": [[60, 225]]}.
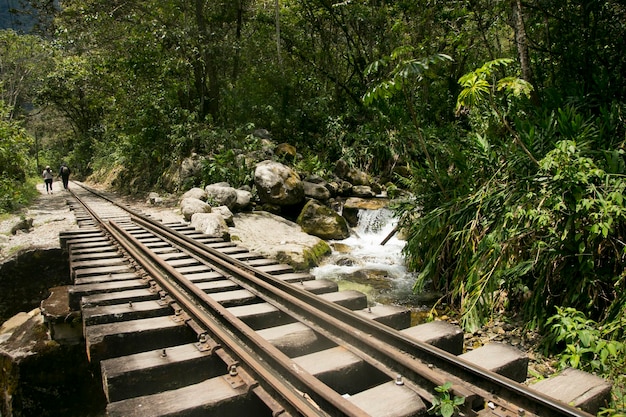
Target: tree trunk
{"points": [[237, 58], [522, 45], [280, 59], [205, 70]]}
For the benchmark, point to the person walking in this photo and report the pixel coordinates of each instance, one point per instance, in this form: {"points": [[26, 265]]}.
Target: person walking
{"points": [[47, 178], [64, 173]]}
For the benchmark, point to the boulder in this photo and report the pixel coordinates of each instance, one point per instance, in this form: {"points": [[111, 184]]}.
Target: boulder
{"points": [[333, 187], [222, 194], [352, 175], [342, 188], [262, 134], [155, 199], [190, 206], [191, 167], [286, 243], [321, 221], [244, 198], [195, 192], [24, 225], [363, 191], [366, 204], [357, 177], [285, 150], [316, 191], [175, 178], [212, 224], [315, 179], [226, 214], [341, 168], [278, 184]]}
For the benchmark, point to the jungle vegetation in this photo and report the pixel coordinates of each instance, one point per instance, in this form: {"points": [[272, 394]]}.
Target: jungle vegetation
{"points": [[505, 120]]}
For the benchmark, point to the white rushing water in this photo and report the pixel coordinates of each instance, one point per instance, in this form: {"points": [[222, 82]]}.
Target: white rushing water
{"points": [[362, 263]]}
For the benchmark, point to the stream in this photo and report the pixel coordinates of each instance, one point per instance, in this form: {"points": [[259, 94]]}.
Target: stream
{"points": [[361, 263]]}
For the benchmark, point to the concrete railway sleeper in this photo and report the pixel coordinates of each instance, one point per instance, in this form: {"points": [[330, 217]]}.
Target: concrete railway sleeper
{"points": [[185, 324]]}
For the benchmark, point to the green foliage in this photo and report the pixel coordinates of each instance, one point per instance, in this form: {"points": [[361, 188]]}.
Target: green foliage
{"points": [[553, 237], [405, 73], [444, 405], [312, 165], [407, 79], [226, 166], [14, 143], [24, 61], [494, 99], [576, 215], [617, 407], [476, 86], [229, 157], [584, 344], [587, 345], [477, 89], [15, 195], [543, 237]]}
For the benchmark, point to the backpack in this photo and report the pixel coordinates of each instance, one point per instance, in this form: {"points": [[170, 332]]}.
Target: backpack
{"points": [[65, 170]]}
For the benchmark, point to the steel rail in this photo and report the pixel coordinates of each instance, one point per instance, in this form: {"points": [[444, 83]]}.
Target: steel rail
{"points": [[270, 353], [157, 268], [378, 337]]}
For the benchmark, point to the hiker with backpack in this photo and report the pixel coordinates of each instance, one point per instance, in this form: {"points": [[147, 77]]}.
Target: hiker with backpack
{"points": [[64, 173]]}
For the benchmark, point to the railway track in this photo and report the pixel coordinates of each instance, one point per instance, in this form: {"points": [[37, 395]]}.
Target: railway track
{"points": [[187, 325]]}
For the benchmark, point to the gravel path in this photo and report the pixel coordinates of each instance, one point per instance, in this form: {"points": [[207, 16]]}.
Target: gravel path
{"points": [[51, 215]]}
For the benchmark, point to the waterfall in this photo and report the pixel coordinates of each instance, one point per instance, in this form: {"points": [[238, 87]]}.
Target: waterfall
{"points": [[362, 263], [375, 223]]}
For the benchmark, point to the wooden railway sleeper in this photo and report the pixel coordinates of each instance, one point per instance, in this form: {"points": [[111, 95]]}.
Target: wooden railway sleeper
{"points": [[273, 381], [273, 405], [339, 403], [458, 388], [493, 406]]}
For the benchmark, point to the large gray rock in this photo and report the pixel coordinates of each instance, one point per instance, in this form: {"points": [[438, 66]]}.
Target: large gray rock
{"points": [[352, 175], [322, 221], [278, 184], [226, 214], [155, 199], [190, 206], [212, 224], [363, 191], [195, 192], [286, 243], [340, 188], [316, 191], [191, 166], [244, 198], [222, 194]]}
